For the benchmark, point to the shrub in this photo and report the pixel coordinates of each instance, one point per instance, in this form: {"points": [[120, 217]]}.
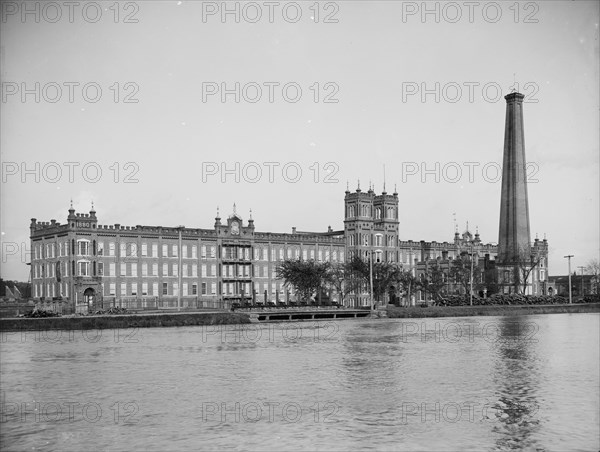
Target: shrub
{"points": [[507, 300]]}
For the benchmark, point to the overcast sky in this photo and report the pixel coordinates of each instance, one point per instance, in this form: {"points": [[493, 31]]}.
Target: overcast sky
{"points": [[328, 94]]}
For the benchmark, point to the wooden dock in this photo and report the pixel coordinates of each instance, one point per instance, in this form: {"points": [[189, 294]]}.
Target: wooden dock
{"points": [[288, 315]]}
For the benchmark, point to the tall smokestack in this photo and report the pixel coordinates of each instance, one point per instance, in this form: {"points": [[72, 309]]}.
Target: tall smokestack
{"points": [[514, 235]]}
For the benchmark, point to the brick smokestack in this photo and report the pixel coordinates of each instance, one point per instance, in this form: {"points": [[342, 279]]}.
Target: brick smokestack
{"points": [[514, 234]]}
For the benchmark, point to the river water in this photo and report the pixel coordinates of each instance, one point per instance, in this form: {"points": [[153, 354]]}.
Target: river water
{"points": [[475, 383]]}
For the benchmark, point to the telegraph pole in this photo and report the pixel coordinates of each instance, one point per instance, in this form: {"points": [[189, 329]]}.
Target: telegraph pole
{"points": [[371, 277], [180, 288], [570, 294], [581, 268], [471, 296]]}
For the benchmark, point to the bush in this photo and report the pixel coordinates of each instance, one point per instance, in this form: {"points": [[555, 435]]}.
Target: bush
{"points": [[112, 311], [36, 313], [507, 300]]}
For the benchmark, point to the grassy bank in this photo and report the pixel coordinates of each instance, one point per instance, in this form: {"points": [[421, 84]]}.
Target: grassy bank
{"points": [[122, 321], [466, 311]]}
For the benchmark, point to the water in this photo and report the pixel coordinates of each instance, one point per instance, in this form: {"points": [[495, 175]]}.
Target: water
{"points": [[476, 383]]}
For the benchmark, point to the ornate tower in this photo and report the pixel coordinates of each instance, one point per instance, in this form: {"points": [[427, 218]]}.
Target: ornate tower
{"points": [[358, 221], [514, 235], [386, 226], [358, 232]]}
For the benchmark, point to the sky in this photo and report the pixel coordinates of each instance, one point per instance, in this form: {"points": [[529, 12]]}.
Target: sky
{"points": [[160, 112]]}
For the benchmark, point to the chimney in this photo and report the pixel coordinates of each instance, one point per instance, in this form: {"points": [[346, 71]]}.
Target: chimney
{"points": [[514, 234]]}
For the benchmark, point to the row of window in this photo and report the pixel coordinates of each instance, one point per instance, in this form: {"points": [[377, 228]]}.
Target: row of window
{"points": [[366, 210], [533, 276], [50, 290], [371, 239], [235, 288], [85, 247], [187, 270], [131, 289], [227, 288], [131, 249], [378, 255], [130, 269], [236, 270], [86, 268]]}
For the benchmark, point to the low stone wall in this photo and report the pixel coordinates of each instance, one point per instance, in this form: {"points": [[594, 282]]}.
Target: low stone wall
{"points": [[122, 321], [466, 311]]}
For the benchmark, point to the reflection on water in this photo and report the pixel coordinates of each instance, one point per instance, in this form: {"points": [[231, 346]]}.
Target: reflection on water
{"points": [[517, 377], [477, 383]]}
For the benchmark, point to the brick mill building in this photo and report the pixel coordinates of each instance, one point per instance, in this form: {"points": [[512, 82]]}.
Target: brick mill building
{"points": [[91, 265]]}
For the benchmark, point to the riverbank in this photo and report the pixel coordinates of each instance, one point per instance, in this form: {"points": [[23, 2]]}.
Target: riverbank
{"points": [[395, 312], [153, 320], [123, 321]]}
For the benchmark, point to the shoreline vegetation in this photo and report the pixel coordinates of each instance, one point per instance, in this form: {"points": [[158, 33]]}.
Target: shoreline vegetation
{"points": [[395, 312], [153, 320]]}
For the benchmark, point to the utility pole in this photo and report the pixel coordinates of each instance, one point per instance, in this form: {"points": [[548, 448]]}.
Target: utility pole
{"points": [[570, 294], [371, 277], [581, 268], [472, 258], [180, 271], [412, 273]]}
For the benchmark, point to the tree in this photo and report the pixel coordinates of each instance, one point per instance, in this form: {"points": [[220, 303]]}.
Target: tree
{"points": [[384, 274], [460, 272], [305, 277], [24, 288], [433, 280], [593, 267], [526, 261], [342, 279], [408, 283]]}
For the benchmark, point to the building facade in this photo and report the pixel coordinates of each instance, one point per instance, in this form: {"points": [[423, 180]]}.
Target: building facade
{"points": [[581, 285], [94, 265], [91, 264]]}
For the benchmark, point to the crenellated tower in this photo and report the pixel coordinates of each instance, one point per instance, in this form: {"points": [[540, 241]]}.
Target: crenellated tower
{"points": [[386, 226], [358, 221], [371, 224]]}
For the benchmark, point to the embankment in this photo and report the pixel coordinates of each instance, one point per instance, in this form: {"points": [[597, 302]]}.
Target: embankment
{"points": [[466, 311], [122, 321]]}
